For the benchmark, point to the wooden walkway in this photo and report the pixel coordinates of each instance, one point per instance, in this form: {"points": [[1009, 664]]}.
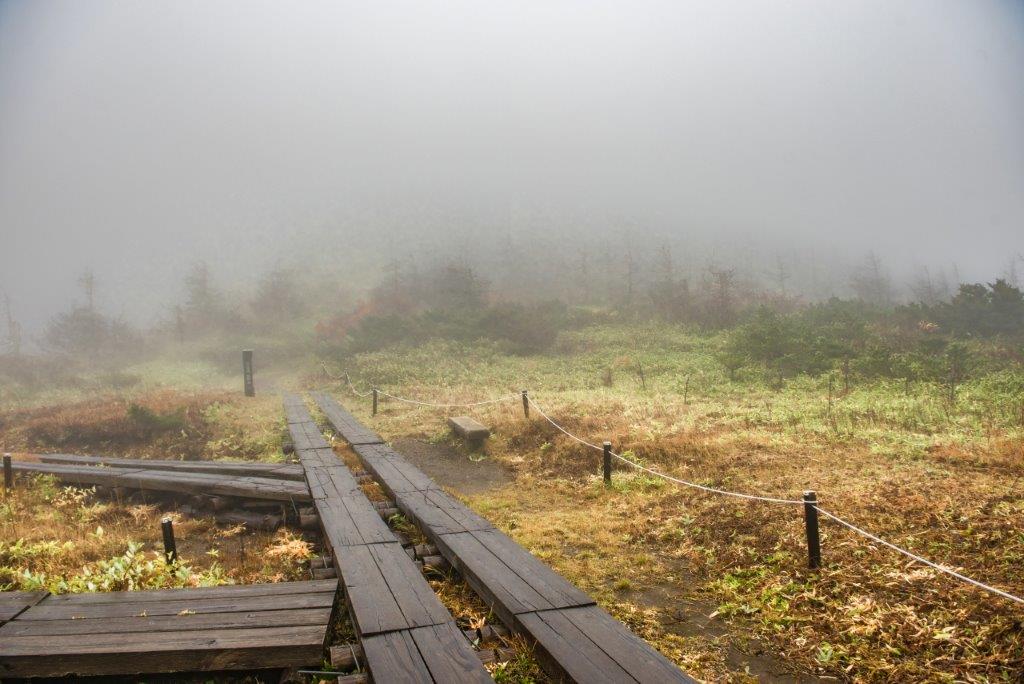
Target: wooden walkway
{"points": [[162, 477], [406, 634], [576, 640], [249, 627]]}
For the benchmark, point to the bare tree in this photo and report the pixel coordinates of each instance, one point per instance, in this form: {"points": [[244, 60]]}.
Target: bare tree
{"points": [[926, 289], [88, 282], [13, 329], [630, 279], [871, 282], [782, 274], [722, 299]]}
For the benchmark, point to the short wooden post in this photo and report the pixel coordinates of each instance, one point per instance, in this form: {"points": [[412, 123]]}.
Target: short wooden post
{"points": [[8, 473], [607, 464], [374, 401], [247, 373], [811, 524], [526, 404], [170, 549]]}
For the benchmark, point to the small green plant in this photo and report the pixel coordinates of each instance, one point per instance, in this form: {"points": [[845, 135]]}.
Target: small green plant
{"points": [[151, 421]]}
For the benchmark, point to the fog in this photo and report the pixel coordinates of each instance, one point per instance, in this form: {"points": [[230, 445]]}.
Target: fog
{"points": [[138, 138]]}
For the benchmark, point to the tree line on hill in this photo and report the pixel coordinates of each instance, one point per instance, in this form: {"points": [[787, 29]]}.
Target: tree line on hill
{"points": [[938, 334]]}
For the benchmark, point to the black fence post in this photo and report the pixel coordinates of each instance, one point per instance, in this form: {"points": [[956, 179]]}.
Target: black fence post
{"points": [[811, 524], [526, 405], [170, 549], [374, 401], [8, 473], [607, 464], [247, 373]]}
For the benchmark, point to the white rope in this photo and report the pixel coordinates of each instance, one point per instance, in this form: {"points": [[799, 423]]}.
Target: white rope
{"points": [[354, 390], [919, 559], [344, 377], [427, 403], [713, 490]]}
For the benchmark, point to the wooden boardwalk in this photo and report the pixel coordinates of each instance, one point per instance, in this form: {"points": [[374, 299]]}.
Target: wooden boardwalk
{"points": [[575, 639], [256, 626], [164, 478], [405, 633]]}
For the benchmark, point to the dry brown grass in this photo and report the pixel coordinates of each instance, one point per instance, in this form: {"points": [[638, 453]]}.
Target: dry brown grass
{"points": [[51, 535], [645, 546], [168, 424]]}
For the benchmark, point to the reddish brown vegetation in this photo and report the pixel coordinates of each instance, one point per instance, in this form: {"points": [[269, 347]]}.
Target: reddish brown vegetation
{"points": [[164, 424]]}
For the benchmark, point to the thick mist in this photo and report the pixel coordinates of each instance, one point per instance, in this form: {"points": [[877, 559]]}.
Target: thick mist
{"points": [[138, 138]]}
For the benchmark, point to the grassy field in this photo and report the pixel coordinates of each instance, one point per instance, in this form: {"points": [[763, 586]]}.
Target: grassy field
{"points": [[719, 584], [937, 478], [68, 539]]}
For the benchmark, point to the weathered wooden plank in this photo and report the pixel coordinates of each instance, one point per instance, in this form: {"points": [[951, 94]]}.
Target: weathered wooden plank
{"points": [[386, 591], [438, 653], [247, 619], [553, 587], [392, 472], [448, 654], [343, 422], [112, 654], [307, 436], [326, 481], [497, 584], [371, 604], [70, 611], [438, 513], [295, 410], [13, 603], [588, 645], [393, 657], [634, 654], [183, 482], [241, 591], [569, 652], [280, 471], [351, 520]]}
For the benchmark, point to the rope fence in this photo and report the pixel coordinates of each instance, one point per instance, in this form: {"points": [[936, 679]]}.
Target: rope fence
{"points": [[809, 500]]}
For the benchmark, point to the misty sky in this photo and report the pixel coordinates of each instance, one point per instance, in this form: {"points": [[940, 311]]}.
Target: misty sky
{"points": [[138, 137]]}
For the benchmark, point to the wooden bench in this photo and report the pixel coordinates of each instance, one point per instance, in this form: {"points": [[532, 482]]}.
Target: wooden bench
{"points": [[469, 429]]}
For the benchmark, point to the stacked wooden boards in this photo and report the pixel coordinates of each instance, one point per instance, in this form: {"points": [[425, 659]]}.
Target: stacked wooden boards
{"points": [[278, 471], [406, 634], [172, 630], [576, 640], [274, 484]]}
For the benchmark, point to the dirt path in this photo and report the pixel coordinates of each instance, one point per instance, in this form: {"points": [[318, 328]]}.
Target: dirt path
{"points": [[451, 468]]}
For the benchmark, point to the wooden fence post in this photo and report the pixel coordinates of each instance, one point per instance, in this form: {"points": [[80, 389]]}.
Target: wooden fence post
{"points": [[811, 525], [247, 373], [170, 549], [374, 401], [607, 464], [8, 473], [526, 405]]}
